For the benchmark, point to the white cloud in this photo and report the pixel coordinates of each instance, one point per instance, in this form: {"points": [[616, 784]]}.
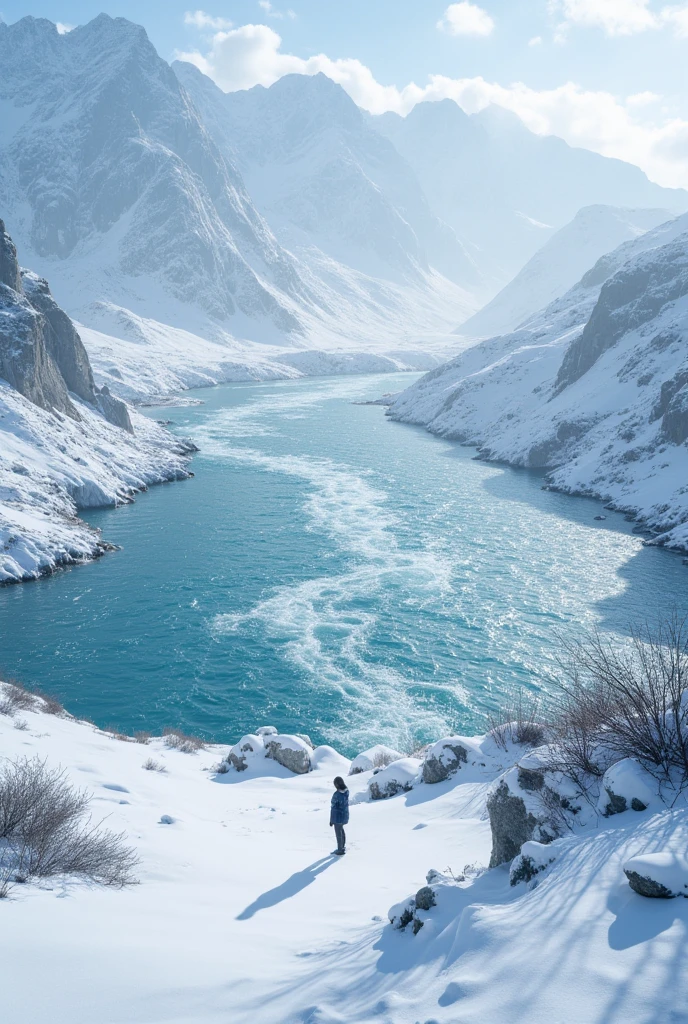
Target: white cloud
{"points": [[63, 28], [535, 41], [272, 12], [618, 17], [199, 19], [466, 19], [629, 128]]}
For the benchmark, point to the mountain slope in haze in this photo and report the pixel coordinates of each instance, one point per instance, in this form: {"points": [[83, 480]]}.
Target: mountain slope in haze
{"points": [[562, 261], [322, 175], [65, 443], [108, 176], [505, 189], [594, 388]]}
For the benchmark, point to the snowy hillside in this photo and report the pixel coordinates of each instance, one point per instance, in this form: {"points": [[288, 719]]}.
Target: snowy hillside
{"points": [[506, 190], [65, 443], [562, 261], [243, 914], [593, 388]]}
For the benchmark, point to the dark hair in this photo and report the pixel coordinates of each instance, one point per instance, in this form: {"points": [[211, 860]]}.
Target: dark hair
{"points": [[340, 783]]}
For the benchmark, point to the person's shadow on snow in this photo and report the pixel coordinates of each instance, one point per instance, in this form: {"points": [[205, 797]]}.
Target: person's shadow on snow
{"points": [[295, 883]]}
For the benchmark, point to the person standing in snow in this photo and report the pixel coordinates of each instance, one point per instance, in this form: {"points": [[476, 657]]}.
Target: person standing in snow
{"points": [[339, 814]]}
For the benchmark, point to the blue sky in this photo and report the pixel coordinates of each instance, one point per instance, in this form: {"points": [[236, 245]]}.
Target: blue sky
{"points": [[606, 74]]}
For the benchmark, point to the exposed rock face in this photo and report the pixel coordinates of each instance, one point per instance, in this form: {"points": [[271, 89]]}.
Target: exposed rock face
{"points": [[630, 298], [675, 419], [241, 751], [660, 876], [114, 410], [443, 760], [511, 822], [625, 786], [41, 354], [290, 751], [646, 886], [25, 362]]}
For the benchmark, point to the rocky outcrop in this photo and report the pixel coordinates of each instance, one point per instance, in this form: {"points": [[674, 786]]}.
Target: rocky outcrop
{"points": [[533, 859], [41, 354], [675, 419], [511, 822], [629, 299], [241, 752]]}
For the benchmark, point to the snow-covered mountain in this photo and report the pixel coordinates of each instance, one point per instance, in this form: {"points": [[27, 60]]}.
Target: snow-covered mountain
{"points": [[594, 388], [559, 264], [65, 443], [322, 175], [506, 190], [109, 180]]}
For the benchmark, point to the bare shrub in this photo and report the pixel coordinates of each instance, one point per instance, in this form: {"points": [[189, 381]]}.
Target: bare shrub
{"points": [[382, 759], [21, 724], [47, 703], [117, 734], [150, 765], [177, 740], [519, 722], [44, 830], [221, 768], [14, 697], [625, 702], [142, 737]]}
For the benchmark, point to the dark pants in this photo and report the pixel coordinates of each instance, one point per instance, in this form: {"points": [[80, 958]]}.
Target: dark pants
{"points": [[341, 836]]}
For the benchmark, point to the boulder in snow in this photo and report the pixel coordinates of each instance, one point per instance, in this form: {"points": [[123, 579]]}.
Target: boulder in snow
{"points": [[378, 756], [658, 875], [290, 751], [625, 786], [444, 759], [266, 730], [533, 859], [398, 777], [241, 751]]}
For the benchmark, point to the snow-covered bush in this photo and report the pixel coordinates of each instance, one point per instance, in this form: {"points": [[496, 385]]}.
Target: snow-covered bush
{"points": [[398, 777], [151, 765], [658, 875], [625, 786], [14, 698], [378, 756], [519, 723], [290, 751], [44, 830]]}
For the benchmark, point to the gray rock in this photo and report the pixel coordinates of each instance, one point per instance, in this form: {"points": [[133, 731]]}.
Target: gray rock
{"points": [[425, 898], [296, 759], [114, 410], [266, 730], [9, 268], [511, 823], [646, 886]]}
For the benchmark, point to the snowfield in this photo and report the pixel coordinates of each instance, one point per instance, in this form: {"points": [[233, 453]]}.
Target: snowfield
{"points": [[242, 914]]}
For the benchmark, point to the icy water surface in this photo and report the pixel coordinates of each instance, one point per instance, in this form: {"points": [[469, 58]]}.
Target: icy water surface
{"points": [[327, 571]]}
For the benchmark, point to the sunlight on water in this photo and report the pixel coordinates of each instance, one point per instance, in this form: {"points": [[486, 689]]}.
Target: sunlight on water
{"points": [[330, 572]]}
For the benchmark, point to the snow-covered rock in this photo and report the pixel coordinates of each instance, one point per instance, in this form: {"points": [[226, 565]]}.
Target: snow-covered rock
{"points": [[247, 748], [398, 777], [662, 875], [626, 786], [290, 751], [584, 387], [378, 756], [533, 859], [445, 758], [266, 730]]}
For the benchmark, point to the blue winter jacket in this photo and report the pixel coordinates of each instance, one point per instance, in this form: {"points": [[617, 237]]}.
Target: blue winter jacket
{"points": [[339, 815]]}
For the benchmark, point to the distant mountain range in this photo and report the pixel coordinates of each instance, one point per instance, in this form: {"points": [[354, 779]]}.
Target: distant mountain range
{"points": [[244, 228]]}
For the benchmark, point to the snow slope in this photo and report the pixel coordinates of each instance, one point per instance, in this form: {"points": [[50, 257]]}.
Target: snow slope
{"points": [[241, 914], [65, 443], [505, 189], [592, 388], [559, 264]]}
